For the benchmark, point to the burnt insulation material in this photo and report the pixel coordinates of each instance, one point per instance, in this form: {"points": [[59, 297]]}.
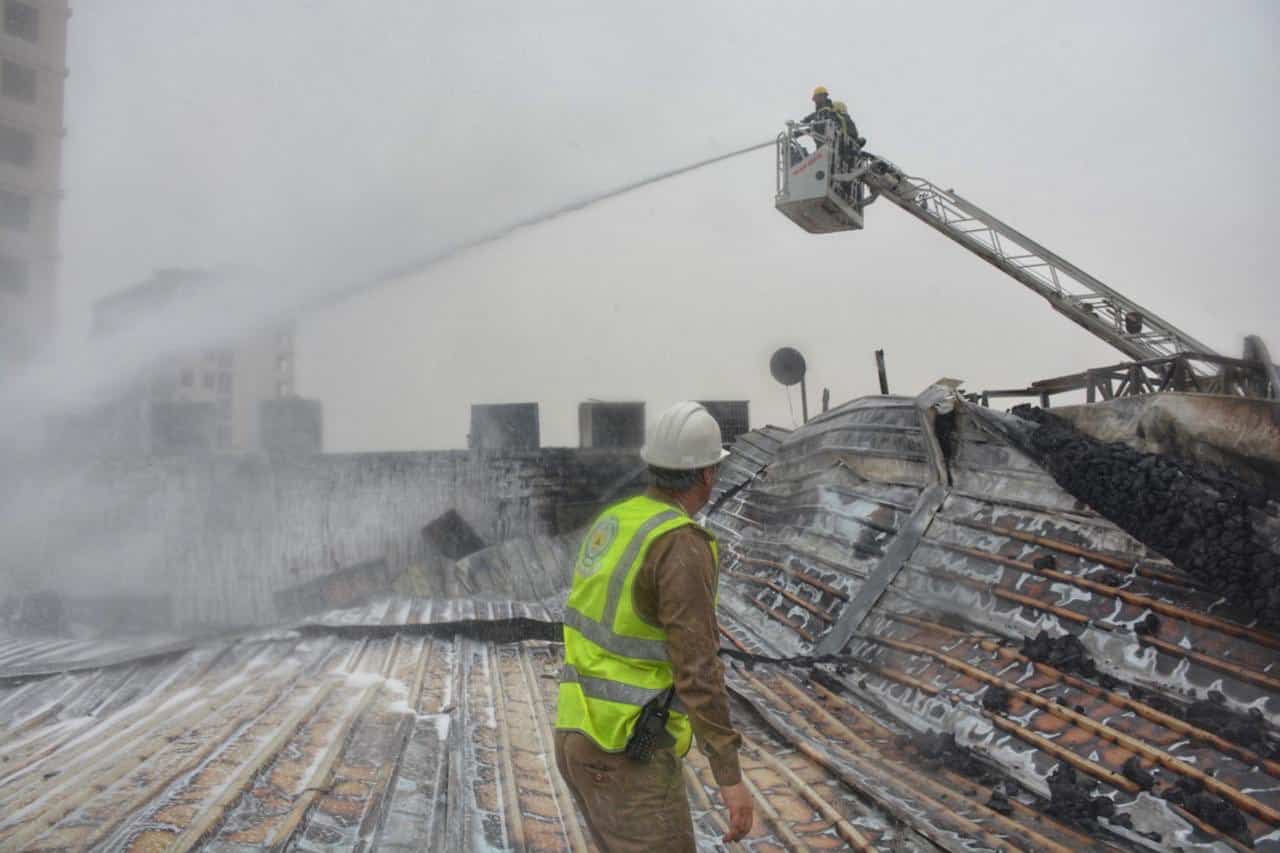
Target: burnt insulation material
{"points": [[1249, 730], [1199, 516], [999, 801], [996, 698], [1072, 800], [1157, 700], [1139, 775], [1065, 653], [1213, 810], [940, 749]]}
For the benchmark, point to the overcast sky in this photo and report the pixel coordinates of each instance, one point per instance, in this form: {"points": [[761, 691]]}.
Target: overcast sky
{"points": [[1136, 139]]}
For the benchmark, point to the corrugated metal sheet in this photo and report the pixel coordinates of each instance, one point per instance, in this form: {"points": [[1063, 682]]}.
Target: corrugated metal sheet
{"points": [[944, 723], [1007, 555]]}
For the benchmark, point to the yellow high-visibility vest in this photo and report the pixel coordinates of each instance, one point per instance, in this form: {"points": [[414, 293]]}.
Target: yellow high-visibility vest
{"points": [[615, 661]]}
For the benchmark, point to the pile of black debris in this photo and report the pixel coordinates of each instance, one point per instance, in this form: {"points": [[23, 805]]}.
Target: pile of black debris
{"points": [[1072, 800], [940, 749], [1248, 729], [996, 698], [1065, 653], [1205, 520], [1213, 810]]}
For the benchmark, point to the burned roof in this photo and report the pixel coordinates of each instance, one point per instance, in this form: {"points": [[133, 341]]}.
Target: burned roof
{"points": [[965, 656]]}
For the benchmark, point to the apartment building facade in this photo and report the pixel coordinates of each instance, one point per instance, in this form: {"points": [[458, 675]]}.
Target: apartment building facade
{"points": [[211, 396], [33, 72]]}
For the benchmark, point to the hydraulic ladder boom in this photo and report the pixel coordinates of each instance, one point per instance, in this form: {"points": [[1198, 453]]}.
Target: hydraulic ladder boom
{"points": [[1118, 320]]}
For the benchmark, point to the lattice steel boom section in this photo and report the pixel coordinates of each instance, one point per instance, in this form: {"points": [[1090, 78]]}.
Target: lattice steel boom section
{"points": [[1121, 322]]}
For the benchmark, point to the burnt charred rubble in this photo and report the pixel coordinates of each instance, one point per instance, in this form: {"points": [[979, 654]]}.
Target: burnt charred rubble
{"points": [[1213, 810], [1065, 653], [1248, 729], [1205, 520], [1072, 800], [939, 750], [1068, 654]]}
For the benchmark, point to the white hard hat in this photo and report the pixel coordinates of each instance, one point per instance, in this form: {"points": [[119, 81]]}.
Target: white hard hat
{"points": [[685, 438]]}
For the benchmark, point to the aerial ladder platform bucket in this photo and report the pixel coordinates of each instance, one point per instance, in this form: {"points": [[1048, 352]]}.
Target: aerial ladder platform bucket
{"points": [[820, 190]]}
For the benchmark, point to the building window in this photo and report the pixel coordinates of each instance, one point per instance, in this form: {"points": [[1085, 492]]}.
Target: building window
{"points": [[16, 146], [14, 273], [21, 20], [224, 409], [282, 364], [224, 383], [188, 378], [15, 210], [282, 389], [18, 82], [208, 380]]}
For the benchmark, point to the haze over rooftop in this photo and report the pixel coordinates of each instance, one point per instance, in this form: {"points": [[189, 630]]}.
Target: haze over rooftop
{"points": [[1133, 139]]}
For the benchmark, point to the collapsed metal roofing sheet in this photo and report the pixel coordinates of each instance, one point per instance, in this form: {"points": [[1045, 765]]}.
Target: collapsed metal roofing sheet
{"points": [[1011, 672]]}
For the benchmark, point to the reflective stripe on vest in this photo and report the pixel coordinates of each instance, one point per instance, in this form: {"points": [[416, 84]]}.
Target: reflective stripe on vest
{"points": [[615, 660], [613, 691], [627, 647]]}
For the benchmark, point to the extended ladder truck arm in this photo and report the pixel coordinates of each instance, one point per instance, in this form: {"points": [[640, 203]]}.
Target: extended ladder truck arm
{"points": [[824, 192]]}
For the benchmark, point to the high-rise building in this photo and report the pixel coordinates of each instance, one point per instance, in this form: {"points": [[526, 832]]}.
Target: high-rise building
{"points": [[231, 380], [33, 71]]}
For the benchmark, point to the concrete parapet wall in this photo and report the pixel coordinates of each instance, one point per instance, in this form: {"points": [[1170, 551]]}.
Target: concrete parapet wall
{"points": [[221, 534]]}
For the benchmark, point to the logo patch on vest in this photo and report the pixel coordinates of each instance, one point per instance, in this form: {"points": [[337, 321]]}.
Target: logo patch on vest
{"points": [[598, 542]]}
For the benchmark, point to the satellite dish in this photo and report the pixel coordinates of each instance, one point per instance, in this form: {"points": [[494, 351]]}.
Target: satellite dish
{"points": [[787, 366]]}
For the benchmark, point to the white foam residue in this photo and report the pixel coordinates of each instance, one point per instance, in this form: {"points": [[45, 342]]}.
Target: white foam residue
{"points": [[978, 734], [182, 697], [233, 682], [446, 693], [1025, 718], [43, 709], [1067, 593], [68, 724], [363, 679], [441, 721], [403, 611], [274, 636], [1152, 814], [106, 724], [1117, 610], [1245, 707]]}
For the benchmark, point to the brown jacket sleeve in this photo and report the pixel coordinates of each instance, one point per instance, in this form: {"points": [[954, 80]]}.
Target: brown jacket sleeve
{"points": [[675, 590]]}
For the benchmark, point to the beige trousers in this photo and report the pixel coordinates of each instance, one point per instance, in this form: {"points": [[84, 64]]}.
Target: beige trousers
{"points": [[628, 806]]}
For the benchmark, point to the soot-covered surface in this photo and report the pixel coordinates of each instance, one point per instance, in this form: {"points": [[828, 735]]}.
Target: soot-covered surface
{"points": [[1208, 522], [1033, 677], [1097, 678]]}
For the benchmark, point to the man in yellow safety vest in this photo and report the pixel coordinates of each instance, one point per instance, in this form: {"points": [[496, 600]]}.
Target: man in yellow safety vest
{"points": [[642, 675]]}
